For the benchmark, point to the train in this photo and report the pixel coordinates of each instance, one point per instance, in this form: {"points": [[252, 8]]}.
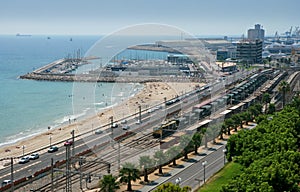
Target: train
{"points": [[239, 98]]}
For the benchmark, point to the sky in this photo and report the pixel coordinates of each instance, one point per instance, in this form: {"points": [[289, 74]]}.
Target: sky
{"points": [[101, 17]]}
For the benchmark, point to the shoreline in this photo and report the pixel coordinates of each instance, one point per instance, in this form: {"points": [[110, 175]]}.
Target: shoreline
{"points": [[59, 123], [149, 95]]}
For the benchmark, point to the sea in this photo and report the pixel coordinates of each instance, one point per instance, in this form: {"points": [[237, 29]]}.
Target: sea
{"points": [[29, 107]]}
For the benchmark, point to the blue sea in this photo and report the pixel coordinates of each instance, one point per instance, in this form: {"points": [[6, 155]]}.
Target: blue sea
{"points": [[29, 107]]}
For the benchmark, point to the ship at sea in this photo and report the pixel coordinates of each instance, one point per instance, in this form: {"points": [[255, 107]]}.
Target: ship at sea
{"points": [[23, 35]]}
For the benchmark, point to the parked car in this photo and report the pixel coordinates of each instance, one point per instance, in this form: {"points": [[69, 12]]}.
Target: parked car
{"points": [[126, 127], [124, 121], [5, 182], [68, 142], [98, 131], [34, 156], [25, 159], [115, 125], [52, 149]]}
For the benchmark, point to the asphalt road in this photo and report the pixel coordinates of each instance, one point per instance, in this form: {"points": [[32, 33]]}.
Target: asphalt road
{"points": [[149, 121]]}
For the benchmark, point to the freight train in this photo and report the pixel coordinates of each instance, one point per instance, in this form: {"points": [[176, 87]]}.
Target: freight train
{"points": [[239, 98]]}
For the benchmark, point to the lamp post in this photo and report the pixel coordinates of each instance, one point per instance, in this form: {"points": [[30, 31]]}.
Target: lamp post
{"points": [[224, 151], [23, 147], [50, 138], [204, 163]]}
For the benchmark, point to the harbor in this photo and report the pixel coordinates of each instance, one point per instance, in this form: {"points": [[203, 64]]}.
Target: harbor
{"points": [[175, 68]]}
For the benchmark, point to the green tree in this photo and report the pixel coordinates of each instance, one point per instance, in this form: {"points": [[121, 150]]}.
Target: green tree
{"points": [[129, 173], [272, 108], [284, 87], [197, 139], [145, 163], [222, 131], [173, 153], [236, 119], [160, 157], [247, 117], [229, 124], [185, 144], [266, 99], [170, 187], [108, 184]]}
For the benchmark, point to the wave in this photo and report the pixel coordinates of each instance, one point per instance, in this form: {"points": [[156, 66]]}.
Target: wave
{"points": [[69, 118], [36, 130]]}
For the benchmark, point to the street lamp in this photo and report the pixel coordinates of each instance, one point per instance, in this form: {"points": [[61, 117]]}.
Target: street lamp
{"points": [[224, 151], [50, 138], [23, 147], [204, 163]]}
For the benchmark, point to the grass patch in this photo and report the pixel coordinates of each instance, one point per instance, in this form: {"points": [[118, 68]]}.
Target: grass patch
{"points": [[222, 177]]}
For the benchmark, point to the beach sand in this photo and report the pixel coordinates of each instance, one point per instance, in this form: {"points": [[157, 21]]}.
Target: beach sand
{"points": [[151, 94]]}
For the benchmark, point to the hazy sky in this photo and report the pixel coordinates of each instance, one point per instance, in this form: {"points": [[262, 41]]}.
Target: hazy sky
{"points": [[199, 17]]}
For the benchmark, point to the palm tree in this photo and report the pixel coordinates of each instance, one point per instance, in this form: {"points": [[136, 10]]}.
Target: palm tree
{"points": [[160, 157], [197, 139], [146, 162], [284, 87], [266, 99], [173, 153], [129, 173], [185, 144], [108, 184]]}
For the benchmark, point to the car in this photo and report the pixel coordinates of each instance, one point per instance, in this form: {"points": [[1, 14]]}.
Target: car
{"points": [[150, 110], [23, 160], [68, 142], [5, 182], [124, 121], [138, 122], [126, 127], [34, 156], [98, 131], [114, 125], [52, 149]]}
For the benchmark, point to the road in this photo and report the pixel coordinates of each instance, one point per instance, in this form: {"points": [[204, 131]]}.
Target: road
{"points": [[149, 120]]}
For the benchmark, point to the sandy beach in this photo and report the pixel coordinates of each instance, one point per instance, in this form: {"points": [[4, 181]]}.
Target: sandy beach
{"points": [[151, 94]]}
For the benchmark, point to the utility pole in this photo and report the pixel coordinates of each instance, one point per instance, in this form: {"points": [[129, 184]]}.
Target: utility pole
{"points": [[73, 142], [112, 129], [119, 156], [140, 114], [80, 163], [68, 177], [12, 173], [52, 189]]}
